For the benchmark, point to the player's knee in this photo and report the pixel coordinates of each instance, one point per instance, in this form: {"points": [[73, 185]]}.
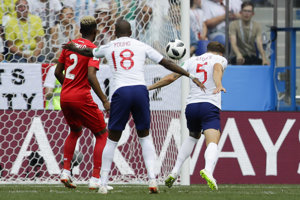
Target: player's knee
{"points": [[101, 132], [143, 133], [114, 135], [76, 130], [195, 135]]}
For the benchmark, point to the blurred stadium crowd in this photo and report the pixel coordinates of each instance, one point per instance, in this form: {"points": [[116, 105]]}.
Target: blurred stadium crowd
{"points": [[34, 30]]}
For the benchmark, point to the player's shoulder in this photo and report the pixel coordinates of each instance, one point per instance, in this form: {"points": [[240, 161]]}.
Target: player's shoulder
{"points": [[84, 43], [220, 59], [192, 59]]}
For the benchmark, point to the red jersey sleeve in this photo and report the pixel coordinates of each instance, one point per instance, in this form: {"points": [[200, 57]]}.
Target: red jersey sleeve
{"points": [[62, 56], [94, 62]]}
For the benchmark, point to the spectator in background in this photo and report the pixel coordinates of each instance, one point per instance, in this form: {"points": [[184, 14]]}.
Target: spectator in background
{"points": [[142, 27], [1, 44], [197, 20], [81, 8], [39, 8], [214, 13], [246, 38], [124, 8], [64, 31], [24, 34], [105, 27], [7, 9]]}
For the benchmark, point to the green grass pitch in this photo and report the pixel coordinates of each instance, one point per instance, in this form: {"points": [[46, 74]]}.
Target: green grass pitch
{"points": [[140, 192]]}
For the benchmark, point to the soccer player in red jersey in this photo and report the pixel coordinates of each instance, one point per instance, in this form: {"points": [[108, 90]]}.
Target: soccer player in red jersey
{"points": [[77, 74]]}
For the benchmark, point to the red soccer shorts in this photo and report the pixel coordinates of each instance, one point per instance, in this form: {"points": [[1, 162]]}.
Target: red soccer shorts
{"points": [[85, 114]]}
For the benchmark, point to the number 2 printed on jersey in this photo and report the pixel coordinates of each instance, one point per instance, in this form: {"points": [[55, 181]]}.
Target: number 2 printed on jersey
{"points": [[69, 75]]}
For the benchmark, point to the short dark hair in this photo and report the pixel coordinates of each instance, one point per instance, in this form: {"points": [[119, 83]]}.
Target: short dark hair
{"points": [[247, 3], [87, 24], [122, 27], [216, 47]]}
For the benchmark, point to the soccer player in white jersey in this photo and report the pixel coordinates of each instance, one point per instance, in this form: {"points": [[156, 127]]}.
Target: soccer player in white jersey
{"points": [[202, 110], [126, 56]]}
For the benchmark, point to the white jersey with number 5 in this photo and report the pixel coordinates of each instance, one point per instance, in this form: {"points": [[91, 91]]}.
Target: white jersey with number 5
{"points": [[126, 57], [203, 67]]}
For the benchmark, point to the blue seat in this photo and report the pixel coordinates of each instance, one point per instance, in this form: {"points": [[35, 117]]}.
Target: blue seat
{"points": [[201, 47]]}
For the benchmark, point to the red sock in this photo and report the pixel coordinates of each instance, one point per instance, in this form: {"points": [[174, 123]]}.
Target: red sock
{"points": [[97, 156], [69, 148]]}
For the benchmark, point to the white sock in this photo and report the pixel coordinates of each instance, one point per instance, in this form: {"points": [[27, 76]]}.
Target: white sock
{"points": [[94, 179], [148, 155], [184, 152], [68, 172], [107, 158], [211, 156]]}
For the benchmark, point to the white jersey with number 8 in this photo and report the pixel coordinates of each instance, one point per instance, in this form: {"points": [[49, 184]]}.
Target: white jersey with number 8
{"points": [[203, 67], [126, 58]]}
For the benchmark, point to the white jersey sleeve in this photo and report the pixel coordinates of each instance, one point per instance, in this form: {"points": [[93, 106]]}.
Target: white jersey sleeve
{"points": [[152, 54], [100, 51]]}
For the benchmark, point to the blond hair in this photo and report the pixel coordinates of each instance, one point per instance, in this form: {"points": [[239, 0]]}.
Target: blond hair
{"points": [[87, 20], [87, 24]]}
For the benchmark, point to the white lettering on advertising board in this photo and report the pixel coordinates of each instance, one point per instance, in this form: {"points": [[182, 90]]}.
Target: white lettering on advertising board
{"points": [[21, 86]]}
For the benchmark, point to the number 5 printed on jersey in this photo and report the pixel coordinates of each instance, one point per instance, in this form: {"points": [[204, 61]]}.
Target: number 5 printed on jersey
{"points": [[198, 70]]}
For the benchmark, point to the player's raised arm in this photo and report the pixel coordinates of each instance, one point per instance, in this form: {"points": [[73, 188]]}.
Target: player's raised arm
{"points": [[170, 78], [175, 68], [82, 51]]}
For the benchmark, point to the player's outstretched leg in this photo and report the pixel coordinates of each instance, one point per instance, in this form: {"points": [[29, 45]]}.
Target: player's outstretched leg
{"points": [[66, 179], [211, 182], [171, 178], [153, 187]]}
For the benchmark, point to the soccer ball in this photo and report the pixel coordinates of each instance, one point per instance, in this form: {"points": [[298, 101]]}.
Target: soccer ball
{"points": [[176, 49]]}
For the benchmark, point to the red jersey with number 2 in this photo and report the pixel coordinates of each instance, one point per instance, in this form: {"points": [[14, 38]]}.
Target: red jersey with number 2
{"points": [[76, 86]]}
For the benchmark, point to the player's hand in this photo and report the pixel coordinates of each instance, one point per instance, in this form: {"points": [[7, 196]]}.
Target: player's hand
{"points": [[70, 46], [219, 89], [106, 106], [197, 82]]}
